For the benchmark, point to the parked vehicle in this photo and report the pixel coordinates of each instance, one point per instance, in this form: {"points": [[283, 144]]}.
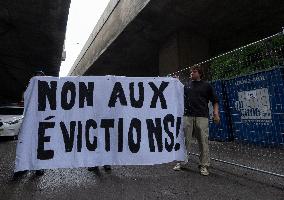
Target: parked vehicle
{"points": [[10, 120]]}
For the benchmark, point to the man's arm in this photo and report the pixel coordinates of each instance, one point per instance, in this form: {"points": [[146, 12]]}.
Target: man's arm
{"points": [[216, 117], [214, 99]]}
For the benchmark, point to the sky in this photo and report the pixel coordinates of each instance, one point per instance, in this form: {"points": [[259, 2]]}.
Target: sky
{"points": [[83, 16]]}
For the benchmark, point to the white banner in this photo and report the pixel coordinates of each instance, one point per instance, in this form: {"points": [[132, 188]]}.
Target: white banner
{"points": [[94, 120]]}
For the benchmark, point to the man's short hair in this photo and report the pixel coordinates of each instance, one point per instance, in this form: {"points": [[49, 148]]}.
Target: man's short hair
{"points": [[39, 73], [197, 68]]}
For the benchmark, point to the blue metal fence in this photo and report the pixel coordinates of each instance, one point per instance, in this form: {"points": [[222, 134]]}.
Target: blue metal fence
{"points": [[256, 105], [223, 130]]}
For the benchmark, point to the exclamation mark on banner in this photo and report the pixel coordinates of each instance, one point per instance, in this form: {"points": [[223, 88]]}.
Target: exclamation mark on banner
{"points": [[178, 123]]}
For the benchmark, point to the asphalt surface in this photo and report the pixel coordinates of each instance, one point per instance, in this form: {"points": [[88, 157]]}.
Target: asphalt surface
{"points": [[137, 182]]}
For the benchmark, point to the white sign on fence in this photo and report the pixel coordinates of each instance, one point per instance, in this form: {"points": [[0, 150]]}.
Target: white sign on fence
{"points": [[93, 121], [254, 105]]}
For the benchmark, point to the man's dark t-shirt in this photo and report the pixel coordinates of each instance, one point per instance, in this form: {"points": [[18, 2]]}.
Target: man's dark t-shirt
{"points": [[197, 95]]}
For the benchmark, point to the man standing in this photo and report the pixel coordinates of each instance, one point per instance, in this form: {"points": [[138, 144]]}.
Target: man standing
{"points": [[197, 94]]}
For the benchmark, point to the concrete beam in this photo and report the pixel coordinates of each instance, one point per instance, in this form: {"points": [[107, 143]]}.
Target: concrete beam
{"points": [[117, 15]]}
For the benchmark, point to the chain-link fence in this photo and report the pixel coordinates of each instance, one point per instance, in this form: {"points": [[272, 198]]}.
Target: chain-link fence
{"points": [[249, 82]]}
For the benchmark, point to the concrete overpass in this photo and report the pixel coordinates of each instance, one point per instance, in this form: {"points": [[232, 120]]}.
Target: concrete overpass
{"points": [[157, 37], [32, 36]]}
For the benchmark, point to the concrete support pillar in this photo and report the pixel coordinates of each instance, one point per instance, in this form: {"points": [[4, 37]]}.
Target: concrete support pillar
{"points": [[183, 49], [168, 56]]}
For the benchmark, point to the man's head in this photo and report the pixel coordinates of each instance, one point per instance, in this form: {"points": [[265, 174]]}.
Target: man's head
{"points": [[39, 73], [196, 73]]}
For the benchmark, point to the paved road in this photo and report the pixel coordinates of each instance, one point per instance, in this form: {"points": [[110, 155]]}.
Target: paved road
{"points": [[136, 182]]}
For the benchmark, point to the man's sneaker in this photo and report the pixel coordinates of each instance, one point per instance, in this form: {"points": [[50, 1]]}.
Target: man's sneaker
{"points": [[180, 166], [107, 168], [19, 174], [40, 172], [92, 169], [177, 167], [204, 171]]}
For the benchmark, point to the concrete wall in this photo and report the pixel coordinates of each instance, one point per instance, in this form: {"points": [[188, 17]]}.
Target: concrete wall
{"points": [[32, 35], [169, 56], [183, 49]]}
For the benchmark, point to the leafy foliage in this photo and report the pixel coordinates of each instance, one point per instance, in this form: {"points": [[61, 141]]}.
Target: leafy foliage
{"points": [[256, 57]]}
